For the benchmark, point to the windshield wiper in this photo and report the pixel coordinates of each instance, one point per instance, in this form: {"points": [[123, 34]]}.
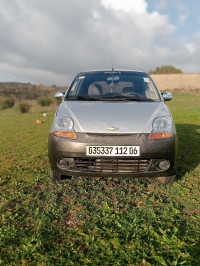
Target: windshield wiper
{"points": [[126, 98], [139, 99], [83, 97]]}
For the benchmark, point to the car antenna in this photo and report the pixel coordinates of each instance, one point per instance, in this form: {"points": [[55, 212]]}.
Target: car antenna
{"points": [[112, 65]]}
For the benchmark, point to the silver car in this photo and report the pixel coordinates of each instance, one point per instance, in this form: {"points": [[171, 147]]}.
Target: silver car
{"points": [[113, 123]]}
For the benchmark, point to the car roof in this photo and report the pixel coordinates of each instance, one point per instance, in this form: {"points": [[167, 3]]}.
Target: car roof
{"points": [[102, 71]]}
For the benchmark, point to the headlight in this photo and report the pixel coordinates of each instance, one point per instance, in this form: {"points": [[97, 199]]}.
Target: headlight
{"points": [[162, 128], [63, 123], [63, 127]]}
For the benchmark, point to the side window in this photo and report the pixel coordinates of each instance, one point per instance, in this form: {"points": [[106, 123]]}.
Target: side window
{"points": [[150, 89]]}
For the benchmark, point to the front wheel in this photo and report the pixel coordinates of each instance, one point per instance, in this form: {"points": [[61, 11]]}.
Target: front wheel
{"points": [[166, 179], [55, 175]]}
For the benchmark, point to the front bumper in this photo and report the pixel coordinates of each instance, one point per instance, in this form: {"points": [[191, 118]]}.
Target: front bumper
{"points": [[146, 165]]}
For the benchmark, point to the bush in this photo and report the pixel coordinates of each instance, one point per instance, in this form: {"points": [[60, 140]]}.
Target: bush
{"points": [[44, 101], [166, 69], [24, 107], [8, 103]]}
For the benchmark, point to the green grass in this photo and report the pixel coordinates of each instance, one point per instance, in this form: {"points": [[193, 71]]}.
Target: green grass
{"points": [[96, 221]]}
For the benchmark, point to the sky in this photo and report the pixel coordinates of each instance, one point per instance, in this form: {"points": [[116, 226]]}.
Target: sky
{"points": [[50, 41]]}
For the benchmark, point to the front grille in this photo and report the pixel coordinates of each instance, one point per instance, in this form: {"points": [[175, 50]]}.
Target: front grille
{"points": [[112, 165]]}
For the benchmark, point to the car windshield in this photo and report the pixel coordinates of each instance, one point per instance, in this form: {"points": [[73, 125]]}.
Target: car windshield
{"points": [[113, 86]]}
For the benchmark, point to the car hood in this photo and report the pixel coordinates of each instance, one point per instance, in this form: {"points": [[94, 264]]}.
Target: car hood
{"points": [[112, 117]]}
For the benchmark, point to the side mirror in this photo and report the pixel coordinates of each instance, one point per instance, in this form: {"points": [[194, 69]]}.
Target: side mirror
{"points": [[167, 96], [59, 95]]}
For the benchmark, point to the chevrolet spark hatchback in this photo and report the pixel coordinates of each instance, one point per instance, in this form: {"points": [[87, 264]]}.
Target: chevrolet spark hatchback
{"points": [[113, 123]]}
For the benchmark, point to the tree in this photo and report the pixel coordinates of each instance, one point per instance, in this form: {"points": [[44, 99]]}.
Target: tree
{"points": [[166, 69]]}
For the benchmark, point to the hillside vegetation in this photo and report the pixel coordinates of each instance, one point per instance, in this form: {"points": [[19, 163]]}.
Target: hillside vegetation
{"points": [[27, 90]]}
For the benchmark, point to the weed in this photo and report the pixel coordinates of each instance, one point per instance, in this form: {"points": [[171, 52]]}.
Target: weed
{"points": [[24, 107], [7, 103], [44, 101]]}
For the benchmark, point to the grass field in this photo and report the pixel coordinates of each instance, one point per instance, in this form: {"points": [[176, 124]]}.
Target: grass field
{"points": [[93, 221]]}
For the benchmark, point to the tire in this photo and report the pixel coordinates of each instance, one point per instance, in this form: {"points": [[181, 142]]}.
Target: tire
{"points": [[166, 179], [55, 175]]}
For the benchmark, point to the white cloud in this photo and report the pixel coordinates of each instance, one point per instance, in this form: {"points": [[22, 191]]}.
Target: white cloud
{"points": [[191, 47], [183, 18], [128, 6], [50, 41]]}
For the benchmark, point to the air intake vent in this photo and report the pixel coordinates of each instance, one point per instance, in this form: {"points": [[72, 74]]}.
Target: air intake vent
{"points": [[112, 165]]}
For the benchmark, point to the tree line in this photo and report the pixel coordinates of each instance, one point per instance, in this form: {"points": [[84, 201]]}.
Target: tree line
{"points": [[165, 69]]}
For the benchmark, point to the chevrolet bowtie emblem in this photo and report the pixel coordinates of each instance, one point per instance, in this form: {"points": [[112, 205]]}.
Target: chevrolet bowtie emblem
{"points": [[112, 128]]}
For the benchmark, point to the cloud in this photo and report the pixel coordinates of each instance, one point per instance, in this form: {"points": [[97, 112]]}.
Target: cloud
{"points": [[161, 4], [183, 18], [50, 41], [125, 5]]}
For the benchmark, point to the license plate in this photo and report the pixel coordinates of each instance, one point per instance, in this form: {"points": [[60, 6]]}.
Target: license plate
{"points": [[113, 150]]}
